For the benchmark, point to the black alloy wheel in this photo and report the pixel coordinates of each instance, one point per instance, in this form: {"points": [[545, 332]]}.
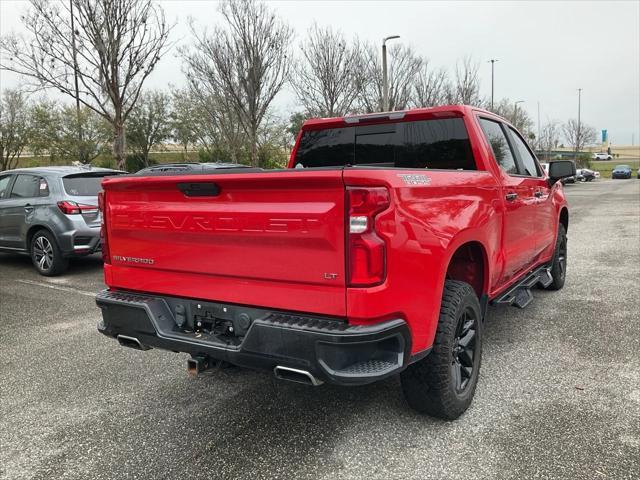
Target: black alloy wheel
{"points": [[463, 362], [562, 256]]}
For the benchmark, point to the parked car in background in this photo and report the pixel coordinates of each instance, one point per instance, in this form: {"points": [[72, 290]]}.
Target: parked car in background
{"points": [[621, 171], [51, 214], [188, 167], [602, 156], [585, 175], [639, 174], [596, 173]]}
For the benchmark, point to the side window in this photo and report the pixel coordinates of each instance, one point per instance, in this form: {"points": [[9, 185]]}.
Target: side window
{"points": [[26, 186], [528, 162], [5, 180], [43, 187], [498, 141]]}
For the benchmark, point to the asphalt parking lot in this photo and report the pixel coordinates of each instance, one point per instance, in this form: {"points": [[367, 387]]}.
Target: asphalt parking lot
{"points": [[559, 393]]}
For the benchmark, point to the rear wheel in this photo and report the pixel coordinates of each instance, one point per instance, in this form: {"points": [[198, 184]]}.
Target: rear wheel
{"points": [[443, 383], [46, 255], [559, 262]]}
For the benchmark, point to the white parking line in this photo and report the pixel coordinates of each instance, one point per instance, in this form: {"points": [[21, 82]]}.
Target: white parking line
{"points": [[58, 287]]}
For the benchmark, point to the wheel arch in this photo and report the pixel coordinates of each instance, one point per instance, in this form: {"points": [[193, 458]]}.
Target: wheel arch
{"points": [[32, 231], [469, 263], [564, 218]]}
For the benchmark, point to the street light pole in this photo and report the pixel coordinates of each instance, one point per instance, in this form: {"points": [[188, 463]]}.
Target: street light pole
{"points": [[385, 81], [75, 74], [515, 113], [493, 61], [538, 125], [578, 137]]}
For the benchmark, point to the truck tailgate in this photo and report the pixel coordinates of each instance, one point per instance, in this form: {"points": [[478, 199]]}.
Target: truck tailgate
{"points": [[273, 239]]}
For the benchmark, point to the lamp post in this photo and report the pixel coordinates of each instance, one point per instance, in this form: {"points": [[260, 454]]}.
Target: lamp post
{"points": [[492, 61], [515, 113], [578, 136], [75, 75], [538, 142], [385, 81]]}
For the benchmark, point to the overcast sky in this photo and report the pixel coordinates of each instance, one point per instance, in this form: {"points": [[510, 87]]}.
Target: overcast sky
{"points": [[546, 50]]}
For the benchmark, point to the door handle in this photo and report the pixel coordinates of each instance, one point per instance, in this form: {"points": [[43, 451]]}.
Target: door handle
{"points": [[538, 193], [511, 196], [28, 208]]}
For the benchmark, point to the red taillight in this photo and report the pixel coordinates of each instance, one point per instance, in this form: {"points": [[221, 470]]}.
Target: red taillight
{"points": [[366, 250], [73, 208], [104, 238]]}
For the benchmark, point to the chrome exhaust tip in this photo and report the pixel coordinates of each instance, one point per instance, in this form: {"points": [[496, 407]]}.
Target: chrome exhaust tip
{"points": [[295, 375], [131, 342]]}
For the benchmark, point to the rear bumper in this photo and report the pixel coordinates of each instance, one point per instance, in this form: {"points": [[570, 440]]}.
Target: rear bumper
{"points": [[329, 349], [80, 241]]}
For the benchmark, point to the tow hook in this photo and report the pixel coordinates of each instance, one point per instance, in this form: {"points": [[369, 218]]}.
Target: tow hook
{"points": [[197, 365]]}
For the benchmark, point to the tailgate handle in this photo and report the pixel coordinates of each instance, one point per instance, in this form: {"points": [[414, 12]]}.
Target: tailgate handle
{"points": [[199, 189]]}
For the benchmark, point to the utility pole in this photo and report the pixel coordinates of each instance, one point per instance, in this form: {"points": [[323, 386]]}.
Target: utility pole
{"points": [[385, 81], [515, 113], [538, 126], [75, 74], [493, 61], [578, 134]]}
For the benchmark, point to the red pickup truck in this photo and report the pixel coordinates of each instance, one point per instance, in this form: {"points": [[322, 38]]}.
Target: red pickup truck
{"points": [[375, 253]]}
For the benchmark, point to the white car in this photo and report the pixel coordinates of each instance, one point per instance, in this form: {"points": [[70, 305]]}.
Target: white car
{"points": [[602, 156]]}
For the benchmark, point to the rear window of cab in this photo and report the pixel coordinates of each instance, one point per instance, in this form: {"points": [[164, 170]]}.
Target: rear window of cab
{"points": [[435, 144]]}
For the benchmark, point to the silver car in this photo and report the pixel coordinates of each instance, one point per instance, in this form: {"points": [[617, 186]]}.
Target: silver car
{"points": [[51, 213]]}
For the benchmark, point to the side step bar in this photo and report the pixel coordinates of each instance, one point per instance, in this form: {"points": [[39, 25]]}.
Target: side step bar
{"points": [[520, 294]]}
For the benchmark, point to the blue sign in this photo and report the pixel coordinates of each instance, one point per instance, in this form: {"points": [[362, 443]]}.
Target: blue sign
{"points": [[604, 136]]}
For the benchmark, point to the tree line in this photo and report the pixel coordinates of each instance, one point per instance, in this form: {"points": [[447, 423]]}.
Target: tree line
{"points": [[234, 71]]}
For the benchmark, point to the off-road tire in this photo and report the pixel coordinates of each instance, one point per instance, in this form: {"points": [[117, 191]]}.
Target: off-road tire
{"points": [[44, 245], [429, 385], [559, 262]]}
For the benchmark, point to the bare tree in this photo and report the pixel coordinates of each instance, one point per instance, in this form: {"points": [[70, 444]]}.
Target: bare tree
{"points": [[517, 116], [244, 65], [404, 68], [465, 88], [44, 117], [429, 88], [184, 119], [149, 123], [14, 127], [549, 137], [215, 125], [578, 135], [326, 79], [117, 45]]}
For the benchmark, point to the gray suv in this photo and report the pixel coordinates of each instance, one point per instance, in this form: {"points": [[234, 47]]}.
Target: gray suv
{"points": [[51, 213]]}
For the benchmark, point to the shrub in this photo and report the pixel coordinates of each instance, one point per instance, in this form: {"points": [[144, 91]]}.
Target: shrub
{"points": [[104, 162], [583, 160], [135, 162]]}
